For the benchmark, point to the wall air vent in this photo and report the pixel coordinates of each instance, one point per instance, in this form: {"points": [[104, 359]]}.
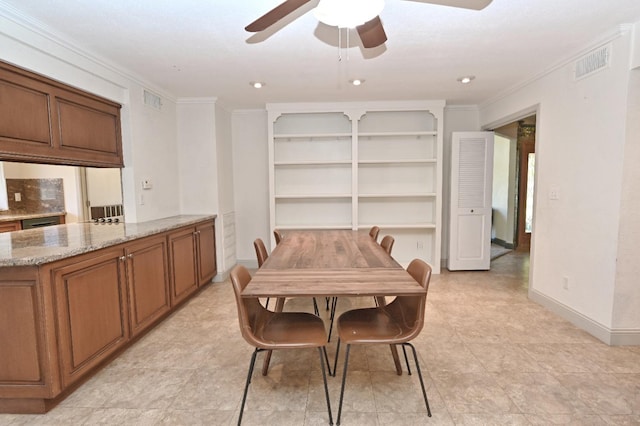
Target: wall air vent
{"points": [[592, 62], [152, 100]]}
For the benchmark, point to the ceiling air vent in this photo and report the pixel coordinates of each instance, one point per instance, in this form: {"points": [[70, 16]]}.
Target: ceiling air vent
{"points": [[152, 100], [593, 62]]}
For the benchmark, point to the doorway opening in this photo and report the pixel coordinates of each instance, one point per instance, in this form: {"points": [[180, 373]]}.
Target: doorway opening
{"points": [[513, 185]]}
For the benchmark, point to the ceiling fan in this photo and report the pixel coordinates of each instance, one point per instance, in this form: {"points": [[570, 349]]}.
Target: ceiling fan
{"points": [[363, 15]]}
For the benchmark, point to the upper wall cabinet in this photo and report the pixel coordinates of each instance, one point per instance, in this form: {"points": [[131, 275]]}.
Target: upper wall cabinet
{"points": [[44, 121], [355, 165]]}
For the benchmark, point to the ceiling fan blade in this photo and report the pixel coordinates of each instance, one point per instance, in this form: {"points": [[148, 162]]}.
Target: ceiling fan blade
{"points": [[274, 15], [465, 4], [372, 33]]}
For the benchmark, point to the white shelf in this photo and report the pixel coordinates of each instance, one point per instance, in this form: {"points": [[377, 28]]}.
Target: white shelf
{"points": [[416, 161], [313, 163], [284, 227], [310, 196], [398, 225], [354, 165], [281, 137], [399, 195], [385, 134]]}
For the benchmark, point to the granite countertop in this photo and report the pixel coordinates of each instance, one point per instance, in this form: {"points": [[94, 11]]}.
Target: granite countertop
{"points": [[43, 245], [23, 216]]}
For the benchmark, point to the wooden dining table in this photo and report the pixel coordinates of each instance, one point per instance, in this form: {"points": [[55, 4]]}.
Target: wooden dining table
{"points": [[317, 263]]}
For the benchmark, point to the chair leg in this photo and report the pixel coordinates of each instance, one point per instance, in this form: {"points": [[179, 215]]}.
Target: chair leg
{"points": [[267, 356], [335, 361], [324, 378], [406, 359], [316, 311], [246, 386], [332, 315], [326, 299], [266, 304], [326, 358], [344, 380], [424, 392]]}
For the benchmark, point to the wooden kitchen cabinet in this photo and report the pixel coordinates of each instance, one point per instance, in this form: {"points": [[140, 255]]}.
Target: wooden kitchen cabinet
{"points": [[10, 226], [183, 267], [147, 282], [63, 320], [193, 259], [42, 120], [206, 249], [92, 312]]}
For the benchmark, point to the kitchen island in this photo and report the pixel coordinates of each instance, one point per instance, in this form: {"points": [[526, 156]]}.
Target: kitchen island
{"points": [[73, 297]]}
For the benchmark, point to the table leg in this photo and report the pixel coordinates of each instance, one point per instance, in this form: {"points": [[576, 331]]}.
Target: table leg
{"points": [[267, 354]]}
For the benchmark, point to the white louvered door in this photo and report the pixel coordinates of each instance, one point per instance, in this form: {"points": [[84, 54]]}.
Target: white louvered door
{"points": [[470, 212]]}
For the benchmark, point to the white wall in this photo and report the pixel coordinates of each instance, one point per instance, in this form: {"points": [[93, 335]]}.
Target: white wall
{"points": [[251, 181], [626, 304], [580, 140]]}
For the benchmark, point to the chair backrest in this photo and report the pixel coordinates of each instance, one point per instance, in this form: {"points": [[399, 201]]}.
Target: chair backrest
{"points": [[373, 232], [261, 251], [278, 236], [387, 243], [251, 314], [409, 310]]}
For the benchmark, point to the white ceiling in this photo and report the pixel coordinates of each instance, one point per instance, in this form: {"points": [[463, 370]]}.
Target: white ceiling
{"points": [[198, 48]]}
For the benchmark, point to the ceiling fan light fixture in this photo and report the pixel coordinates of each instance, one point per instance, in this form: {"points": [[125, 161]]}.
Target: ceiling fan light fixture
{"points": [[347, 13], [466, 79]]}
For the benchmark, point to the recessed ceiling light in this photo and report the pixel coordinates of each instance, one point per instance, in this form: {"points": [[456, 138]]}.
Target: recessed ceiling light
{"points": [[356, 81], [466, 79], [257, 84]]}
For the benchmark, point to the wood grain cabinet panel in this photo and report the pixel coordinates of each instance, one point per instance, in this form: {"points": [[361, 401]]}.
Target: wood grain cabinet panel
{"points": [[42, 120], [147, 282], [206, 246], [19, 317], [184, 274], [24, 112], [92, 311], [10, 226]]}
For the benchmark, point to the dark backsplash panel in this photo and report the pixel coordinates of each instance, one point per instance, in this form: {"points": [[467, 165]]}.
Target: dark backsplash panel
{"points": [[38, 196]]}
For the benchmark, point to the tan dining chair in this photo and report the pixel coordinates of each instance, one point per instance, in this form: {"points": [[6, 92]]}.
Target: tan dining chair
{"points": [[397, 323], [387, 243], [266, 330], [373, 232], [278, 236], [261, 255]]}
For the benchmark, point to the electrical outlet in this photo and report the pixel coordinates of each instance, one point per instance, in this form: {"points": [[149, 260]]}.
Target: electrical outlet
{"points": [[419, 245], [565, 283], [18, 196], [142, 199]]}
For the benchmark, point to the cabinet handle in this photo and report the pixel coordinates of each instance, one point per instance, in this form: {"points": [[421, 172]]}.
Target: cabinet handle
{"points": [[130, 255], [122, 258]]}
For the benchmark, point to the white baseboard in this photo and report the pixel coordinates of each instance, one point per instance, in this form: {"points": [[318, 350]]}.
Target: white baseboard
{"points": [[612, 337]]}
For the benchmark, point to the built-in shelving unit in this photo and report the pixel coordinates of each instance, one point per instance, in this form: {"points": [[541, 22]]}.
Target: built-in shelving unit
{"points": [[355, 165]]}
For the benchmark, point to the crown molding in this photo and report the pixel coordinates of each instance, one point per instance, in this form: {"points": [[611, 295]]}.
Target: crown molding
{"points": [[608, 37], [48, 33]]}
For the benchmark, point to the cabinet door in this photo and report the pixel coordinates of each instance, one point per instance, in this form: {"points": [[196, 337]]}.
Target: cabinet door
{"points": [[183, 265], [10, 226], [206, 252], [147, 282], [89, 130], [92, 310]]}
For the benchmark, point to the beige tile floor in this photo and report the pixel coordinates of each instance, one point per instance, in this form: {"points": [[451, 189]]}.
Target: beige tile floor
{"points": [[489, 355]]}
